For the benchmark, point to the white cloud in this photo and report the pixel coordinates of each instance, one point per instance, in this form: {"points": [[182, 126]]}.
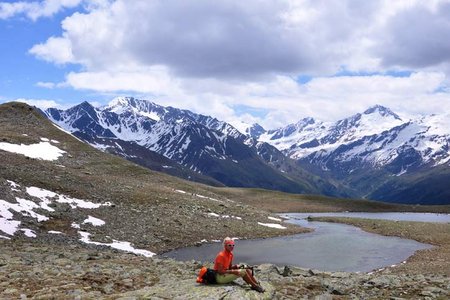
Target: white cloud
{"points": [[57, 50], [43, 103], [225, 39], [35, 9], [153, 80], [417, 36], [285, 100], [211, 56]]}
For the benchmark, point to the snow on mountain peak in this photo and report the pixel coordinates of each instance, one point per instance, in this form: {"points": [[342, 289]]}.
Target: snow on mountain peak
{"points": [[118, 105], [308, 135], [144, 108], [118, 101], [382, 111]]}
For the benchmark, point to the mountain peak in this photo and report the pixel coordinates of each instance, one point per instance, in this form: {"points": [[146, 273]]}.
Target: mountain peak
{"points": [[382, 111], [83, 106], [255, 130], [120, 105], [120, 101], [305, 122]]}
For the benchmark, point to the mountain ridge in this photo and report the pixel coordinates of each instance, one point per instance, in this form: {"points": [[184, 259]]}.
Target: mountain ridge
{"points": [[199, 143], [330, 158]]}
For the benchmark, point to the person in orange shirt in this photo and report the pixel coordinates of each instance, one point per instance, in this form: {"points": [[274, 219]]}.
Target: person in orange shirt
{"points": [[226, 272]]}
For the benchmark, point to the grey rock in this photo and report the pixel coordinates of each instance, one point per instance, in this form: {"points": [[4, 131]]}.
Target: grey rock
{"points": [[324, 297], [108, 288], [286, 271]]}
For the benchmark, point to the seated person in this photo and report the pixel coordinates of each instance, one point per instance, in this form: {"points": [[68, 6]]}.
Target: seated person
{"points": [[226, 272]]}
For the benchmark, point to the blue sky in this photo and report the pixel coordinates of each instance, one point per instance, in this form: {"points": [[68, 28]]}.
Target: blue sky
{"points": [[271, 62]]}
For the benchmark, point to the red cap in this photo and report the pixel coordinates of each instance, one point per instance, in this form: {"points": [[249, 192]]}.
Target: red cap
{"points": [[229, 242]]}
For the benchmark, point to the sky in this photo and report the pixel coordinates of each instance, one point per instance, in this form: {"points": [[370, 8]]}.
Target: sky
{"points": [[270, 62]]}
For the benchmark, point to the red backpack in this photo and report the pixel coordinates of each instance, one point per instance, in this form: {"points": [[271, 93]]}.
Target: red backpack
{"points": [[206, 276]]}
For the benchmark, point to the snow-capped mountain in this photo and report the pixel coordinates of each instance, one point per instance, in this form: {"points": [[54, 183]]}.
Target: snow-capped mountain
{"points": [[367, 152], [201, 143], [309, 135], [375, 154], [376, 138]]}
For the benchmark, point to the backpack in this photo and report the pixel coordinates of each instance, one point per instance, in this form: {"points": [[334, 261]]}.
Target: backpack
{"points": [[206, 276]]}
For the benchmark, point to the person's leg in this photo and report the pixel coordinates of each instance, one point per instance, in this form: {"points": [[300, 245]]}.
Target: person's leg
{"points": [[225, 278], [250, 279]]}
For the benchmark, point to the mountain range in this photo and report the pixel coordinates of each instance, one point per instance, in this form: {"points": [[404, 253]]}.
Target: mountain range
{"points": [[375, 154], [202, 148]]}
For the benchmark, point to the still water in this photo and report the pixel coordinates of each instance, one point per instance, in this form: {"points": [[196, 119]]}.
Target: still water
{"points": [[331, 247], [395, 216]]}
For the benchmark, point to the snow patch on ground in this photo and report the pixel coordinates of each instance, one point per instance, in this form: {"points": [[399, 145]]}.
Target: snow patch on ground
{"points": [[75, 225], [42, 150], [211, 214], [94, 221], [46, 197], [209, 198], [8, 226], [125, 246], [26, 208], [28, 232], [272, 225]]}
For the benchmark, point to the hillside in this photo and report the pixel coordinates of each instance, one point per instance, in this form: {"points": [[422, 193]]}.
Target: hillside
{"points": [[151, 210]]}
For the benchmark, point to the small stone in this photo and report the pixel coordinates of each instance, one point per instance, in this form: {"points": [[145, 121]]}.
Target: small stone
{"points": [[286, 271], [10, 291], [127, 283], [426, 294], [3, 262], [434, 290], [323, 297], [313, 272], [108, 288]]}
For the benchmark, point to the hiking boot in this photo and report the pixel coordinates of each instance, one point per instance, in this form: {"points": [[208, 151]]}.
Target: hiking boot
{"points": [[258, 288]]}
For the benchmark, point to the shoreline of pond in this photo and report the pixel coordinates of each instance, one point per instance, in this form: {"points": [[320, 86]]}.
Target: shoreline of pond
{"points": [[428, 261], [183, 253]]}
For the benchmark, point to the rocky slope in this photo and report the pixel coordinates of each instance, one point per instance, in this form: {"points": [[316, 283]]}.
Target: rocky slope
{"points": [[39, 271]]}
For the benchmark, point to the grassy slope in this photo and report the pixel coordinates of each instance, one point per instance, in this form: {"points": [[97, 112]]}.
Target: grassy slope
{"points": [[286, 202], [148, 210], [428, 186]]}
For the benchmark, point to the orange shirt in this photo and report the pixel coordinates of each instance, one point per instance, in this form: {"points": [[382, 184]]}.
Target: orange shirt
{"points": [[225, 258]]}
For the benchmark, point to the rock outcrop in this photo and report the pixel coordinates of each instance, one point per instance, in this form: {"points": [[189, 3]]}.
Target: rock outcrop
{"points": [[45, 271]]}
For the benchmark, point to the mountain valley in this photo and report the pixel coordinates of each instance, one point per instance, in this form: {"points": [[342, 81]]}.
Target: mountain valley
{"points": [[372, 155]]}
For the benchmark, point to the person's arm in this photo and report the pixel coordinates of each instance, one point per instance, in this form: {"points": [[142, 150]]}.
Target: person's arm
{"points": [[222, 270]]}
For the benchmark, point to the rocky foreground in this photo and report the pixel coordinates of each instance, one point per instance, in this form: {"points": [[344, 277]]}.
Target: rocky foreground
{"points": [[34, 270]]}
